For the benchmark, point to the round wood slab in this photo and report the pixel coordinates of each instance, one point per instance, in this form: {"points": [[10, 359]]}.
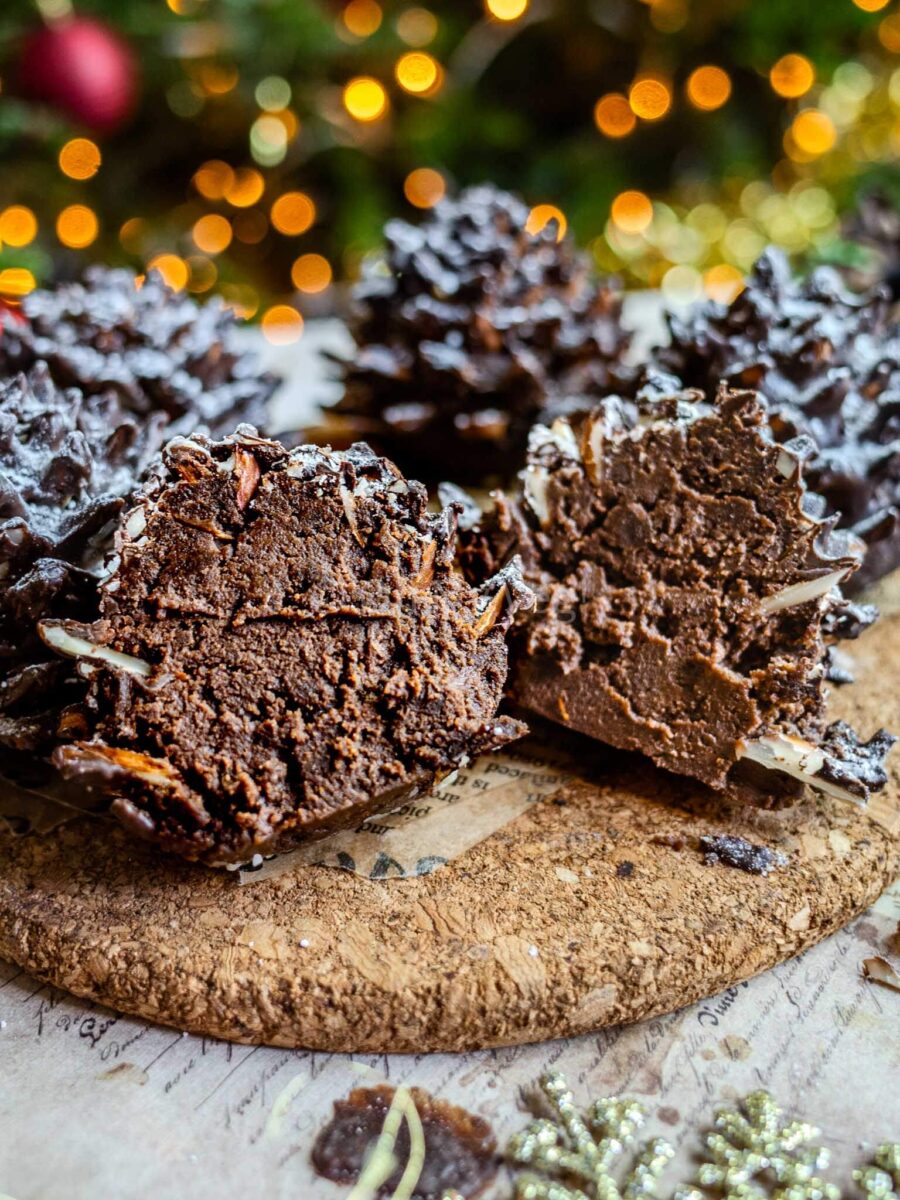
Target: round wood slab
{"points": [[593, 908]]}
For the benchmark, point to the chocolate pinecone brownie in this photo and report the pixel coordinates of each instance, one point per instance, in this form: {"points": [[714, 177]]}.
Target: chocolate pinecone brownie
{"points": [[827, 361], [688, 588], [283, 649], [156, 349], [67, 462], [470, 330]]}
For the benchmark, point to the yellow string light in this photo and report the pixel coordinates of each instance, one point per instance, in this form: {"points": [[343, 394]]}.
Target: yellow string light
{"points": [[506, 10], [613, 115], [80, 158], [293, 213], [311, 273], [813, 132], [792, 76], [650, 99], [282, 325], [18, 225], [16, 282], [365, 99], [541, 216], [418, 72], [173, 269], [871, 5], [362, 17], [77, 226], [212, 234], [424, 187], [632, 211], [708, 88]]}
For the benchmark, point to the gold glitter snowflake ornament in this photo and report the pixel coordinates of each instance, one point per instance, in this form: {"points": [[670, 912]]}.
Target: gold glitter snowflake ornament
{"points": [[573, 1159]]}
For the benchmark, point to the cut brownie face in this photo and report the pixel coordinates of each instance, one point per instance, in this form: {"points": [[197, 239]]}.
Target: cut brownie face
{"points": [[826, 360], [687, 586], [157, 350], [67, 463], [471, 329], [283, 648]]}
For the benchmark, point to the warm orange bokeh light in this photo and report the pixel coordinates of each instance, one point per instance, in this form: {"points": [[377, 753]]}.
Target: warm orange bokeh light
{"points": [[632, 212], [245, 188], [16, 282], [506, 10], [212, 234], [18, 225], [173, 269], [813, 132], [80, 158], [424, 187], [417, 72], [365, 99], [214, 179], [723, 283], [871, 5], [293, 213], [282, 325], [792, 76], [77, 226], [708, 88], [541, 216], [362, 17], [613, 115], [889, 33], [650, 99], [311, 273]]}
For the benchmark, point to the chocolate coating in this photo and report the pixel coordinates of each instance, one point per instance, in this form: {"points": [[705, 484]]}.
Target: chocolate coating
{"points": [[470, 331], [826, 360], [686, 581], [298, 652], [157, 350]]}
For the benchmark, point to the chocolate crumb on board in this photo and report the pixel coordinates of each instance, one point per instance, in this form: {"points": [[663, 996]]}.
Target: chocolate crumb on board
{"points": [[472, 328], [460, 1150], [738, 852], [827, 361], [282, 649], [155, 350], [689, 587]]}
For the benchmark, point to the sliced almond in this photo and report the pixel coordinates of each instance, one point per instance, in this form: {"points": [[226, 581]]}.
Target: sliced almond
{"points": [[246, 469], [64, 642]]}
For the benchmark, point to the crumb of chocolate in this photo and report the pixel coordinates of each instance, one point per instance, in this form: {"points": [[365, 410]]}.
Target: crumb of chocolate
{"points": [[460, 1148], [737, 852], [625, 870]]}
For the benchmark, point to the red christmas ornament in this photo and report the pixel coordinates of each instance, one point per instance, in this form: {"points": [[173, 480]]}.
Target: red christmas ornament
{"points": [[82, 67]]}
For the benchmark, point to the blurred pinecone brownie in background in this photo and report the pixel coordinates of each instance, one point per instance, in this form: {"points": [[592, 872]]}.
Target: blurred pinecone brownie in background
{"points": [[469, 330]]}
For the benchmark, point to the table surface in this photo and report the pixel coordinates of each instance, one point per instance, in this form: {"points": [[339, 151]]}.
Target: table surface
{"points": [[95, 1104]]}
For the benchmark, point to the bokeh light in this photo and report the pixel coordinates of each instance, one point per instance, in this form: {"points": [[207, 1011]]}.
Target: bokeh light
{"points": [[723, 283], [362, 17], [613, 115], [273, 93], [212, 234], [311, 273], [650, 99], [417, 26], [77, 226], [813, 132], [282, 325], [708, 88], [417, 72], [365, 99], [214, 179], [632, 211], [173, 269], [424, 187], [245, 188], [871, 5], [792, 76], [293, 213], [132, 234], [202, 273], [80, 158], [506, 10], [541, 216], [16, 282], [18, 225]]}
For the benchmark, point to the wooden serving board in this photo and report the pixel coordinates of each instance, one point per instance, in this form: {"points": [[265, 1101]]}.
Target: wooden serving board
{"points": [[594, 907]]}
